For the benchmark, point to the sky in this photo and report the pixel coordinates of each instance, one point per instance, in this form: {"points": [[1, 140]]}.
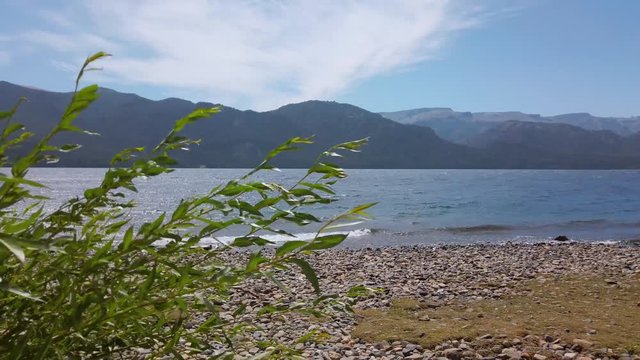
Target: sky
{"points": [[537, 56]]}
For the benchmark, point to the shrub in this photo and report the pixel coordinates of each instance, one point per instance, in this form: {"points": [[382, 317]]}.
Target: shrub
{"points": [[82, 282]]}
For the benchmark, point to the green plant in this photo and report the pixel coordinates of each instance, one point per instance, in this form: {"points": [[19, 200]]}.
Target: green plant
{"points": [[82, 282]]}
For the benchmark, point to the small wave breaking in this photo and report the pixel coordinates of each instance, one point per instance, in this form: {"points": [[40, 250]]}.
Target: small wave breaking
{"points": [[275, 238]]}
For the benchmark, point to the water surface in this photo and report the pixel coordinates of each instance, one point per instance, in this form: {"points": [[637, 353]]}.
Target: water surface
{"points": [[426, 206]]}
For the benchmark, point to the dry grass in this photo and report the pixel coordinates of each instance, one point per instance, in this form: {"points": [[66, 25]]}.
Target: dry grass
{"points": [[600, 310]]}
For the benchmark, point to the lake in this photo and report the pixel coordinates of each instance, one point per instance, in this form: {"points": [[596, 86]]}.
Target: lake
{"points": [[425, 206]]}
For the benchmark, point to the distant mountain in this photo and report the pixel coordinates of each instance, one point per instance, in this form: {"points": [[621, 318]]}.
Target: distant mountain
{"points": [[235, 138], [621, 126], [459, 127], [545, 145]]}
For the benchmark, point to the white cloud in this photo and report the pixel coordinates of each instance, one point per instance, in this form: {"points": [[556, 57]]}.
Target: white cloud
{"points": [[67, 42], [60, 18], [260, 54], [64, 66]]}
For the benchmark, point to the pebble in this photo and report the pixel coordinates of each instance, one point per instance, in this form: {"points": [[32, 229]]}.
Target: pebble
{"points": [[436, 275]]}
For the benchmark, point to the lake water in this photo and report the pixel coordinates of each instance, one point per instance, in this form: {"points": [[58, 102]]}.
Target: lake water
{"points": [[427, 206]]}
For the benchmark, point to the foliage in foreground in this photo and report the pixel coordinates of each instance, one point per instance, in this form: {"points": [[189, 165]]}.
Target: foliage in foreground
{"points": [[81, 281]]}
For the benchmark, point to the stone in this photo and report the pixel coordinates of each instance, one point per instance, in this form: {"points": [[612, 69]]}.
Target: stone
{"points": [[539, 357], [497, 349], [453, 353], [561, 238], [584, 344], [414, 356], [143, 351], [409, 349], [512, 353], [569, 356]]}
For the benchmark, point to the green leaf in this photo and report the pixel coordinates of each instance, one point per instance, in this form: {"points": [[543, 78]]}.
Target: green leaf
{"points": [[325, 242], [70, 147], [13, 228], [10, 113], [96, 56], [11, 129], [233, 189], [90, 59], [146, 285], [267, 202], [194, 116], [80, 101], [308, 271], [331, 153], [126, 155], [303, 192], [17, 291], [341, 225], [358, 291], [240, 310], [20, 180], [289, 246], [249, 241], [254, 261], [50, 159], [128, 238], [330, 170], [320, 187], [353, 146], [244, 206], [287, 146], [180, 211], [115, 227], [13, 246], [91, 133], [360, 209]]}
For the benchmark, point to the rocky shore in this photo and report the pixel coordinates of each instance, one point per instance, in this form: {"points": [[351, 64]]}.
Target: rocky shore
{"points": [[437, 276]]}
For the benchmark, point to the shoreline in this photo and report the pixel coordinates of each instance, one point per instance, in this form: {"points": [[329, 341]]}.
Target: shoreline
{"points": [[437, 276]]}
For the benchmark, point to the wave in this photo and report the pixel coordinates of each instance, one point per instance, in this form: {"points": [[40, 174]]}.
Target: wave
{"points": [[478, 228], [276, 238], [586, 222], [608, 242]]}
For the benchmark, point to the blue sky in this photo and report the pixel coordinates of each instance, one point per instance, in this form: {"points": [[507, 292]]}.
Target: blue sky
{"points": [[536, 56]]}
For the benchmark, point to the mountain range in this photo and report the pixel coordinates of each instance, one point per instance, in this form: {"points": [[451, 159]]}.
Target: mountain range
{"points": [[460, 127], [422, 138]]}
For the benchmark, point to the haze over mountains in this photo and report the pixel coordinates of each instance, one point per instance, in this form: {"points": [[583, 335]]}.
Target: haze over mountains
{"points": [[422, 138], [460, 127]]}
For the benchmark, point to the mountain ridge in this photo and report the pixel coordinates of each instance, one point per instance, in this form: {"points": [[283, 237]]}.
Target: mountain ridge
{"points": [[460, 126], [241, 138]]}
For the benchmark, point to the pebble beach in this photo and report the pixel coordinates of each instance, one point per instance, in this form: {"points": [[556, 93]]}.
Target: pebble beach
{"points": [[435, 276]]}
